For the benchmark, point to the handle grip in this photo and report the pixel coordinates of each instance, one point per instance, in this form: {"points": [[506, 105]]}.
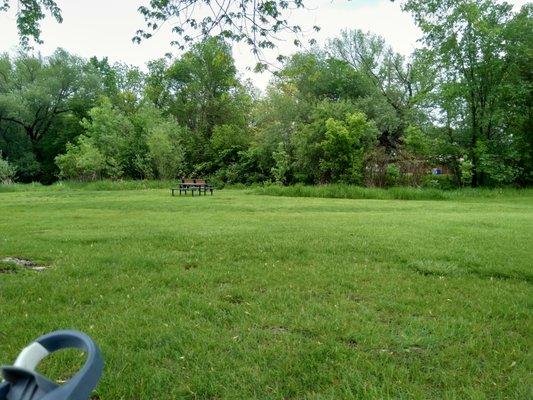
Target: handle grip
{"points": [[23, 383]]}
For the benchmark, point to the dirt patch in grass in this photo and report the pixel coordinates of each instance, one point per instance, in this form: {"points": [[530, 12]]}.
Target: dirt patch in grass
{"points": [[10, 264]]}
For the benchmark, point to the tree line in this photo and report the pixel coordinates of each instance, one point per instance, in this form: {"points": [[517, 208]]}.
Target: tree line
{"points": [[352, 111]]}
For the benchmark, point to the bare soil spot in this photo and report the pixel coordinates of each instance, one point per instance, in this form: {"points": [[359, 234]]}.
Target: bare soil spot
{"points": [[20, 262], [278, 330]]}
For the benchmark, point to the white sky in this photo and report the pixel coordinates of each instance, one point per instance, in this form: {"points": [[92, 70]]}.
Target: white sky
{"points": [[105, 28]]}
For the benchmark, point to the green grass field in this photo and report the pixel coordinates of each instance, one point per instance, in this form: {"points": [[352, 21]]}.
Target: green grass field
{"points": [[245, 296]]}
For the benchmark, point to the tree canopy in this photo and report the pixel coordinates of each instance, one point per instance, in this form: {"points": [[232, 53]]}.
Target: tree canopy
{"points": [[351, 111]]}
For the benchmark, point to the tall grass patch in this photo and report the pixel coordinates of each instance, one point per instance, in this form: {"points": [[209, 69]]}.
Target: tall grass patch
{"points": [[343, 191]]}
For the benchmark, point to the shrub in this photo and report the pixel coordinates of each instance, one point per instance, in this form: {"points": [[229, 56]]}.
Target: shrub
{"points": [[392, 175], [165, 150], [444, 182], [7, 171], [82, 161], [344, 147], [499, 171]]}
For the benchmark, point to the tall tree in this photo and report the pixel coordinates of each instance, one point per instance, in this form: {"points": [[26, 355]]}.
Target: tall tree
{"points": [[400, 83], [35, 91], [44, 99], [317, 76], [473, 43], [201, 91], [205, 88]]}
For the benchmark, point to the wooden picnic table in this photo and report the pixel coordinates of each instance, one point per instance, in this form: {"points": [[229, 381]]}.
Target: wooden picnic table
{"points": [[193, 185]]}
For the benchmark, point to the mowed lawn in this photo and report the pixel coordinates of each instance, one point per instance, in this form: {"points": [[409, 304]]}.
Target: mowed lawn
{"points": [[241, 296]]}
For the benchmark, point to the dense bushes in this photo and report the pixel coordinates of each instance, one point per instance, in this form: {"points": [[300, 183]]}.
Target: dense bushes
{"points": [[355, 112], [141, 144], [82, 161]]}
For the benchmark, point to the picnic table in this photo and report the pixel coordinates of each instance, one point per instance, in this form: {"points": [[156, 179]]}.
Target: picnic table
{"points": [[193, 185]]}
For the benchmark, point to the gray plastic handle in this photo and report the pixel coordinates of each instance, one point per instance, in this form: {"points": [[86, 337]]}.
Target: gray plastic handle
{"points": [[23, 383]]}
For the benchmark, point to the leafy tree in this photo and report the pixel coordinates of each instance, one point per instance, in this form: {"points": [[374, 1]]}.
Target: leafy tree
{"points": [[123, 137], [121, 83], [36, 91], [516, 98], [397, 84], [201, 91], [228, 146], [109, 76], [464, 100], [43, 99], [255, 23], [330, 147], [307, 79], [29, 15], [144, 118], [465, 172], [473, 44], [158, 85], [16, 145], [317, 76], [275, 119], [205, 88], [228, 141], [392, 175], [310, 132], [115, 144]]}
